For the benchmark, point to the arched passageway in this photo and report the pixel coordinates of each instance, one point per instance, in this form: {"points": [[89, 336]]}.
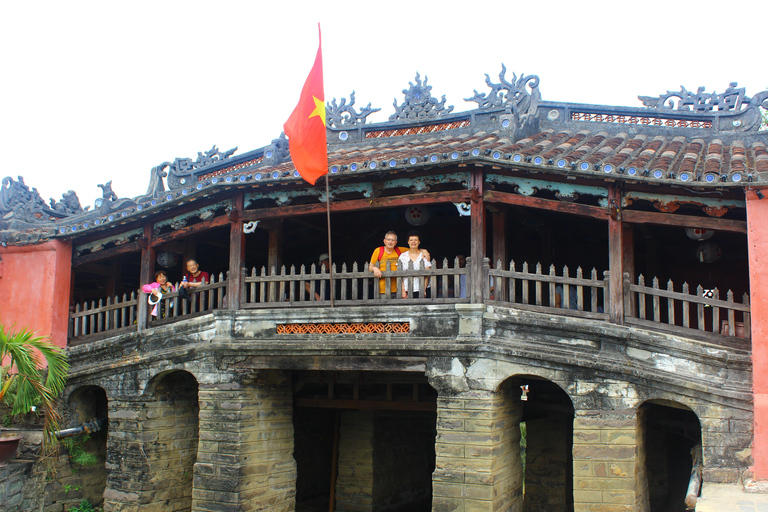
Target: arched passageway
{"points": [[363, 441], [171, 438], [669, 434], [88, 405], [547, 445]]}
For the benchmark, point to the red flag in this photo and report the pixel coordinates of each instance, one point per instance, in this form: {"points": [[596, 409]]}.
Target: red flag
{"points": [[306, 126]]}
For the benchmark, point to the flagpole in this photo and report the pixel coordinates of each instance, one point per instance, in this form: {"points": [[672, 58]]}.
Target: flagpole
{"points": [[328, 217]]}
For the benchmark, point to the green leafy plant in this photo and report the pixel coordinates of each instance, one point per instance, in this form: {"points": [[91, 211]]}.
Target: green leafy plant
{"points": [[33, 384], [85, 506], [68, 488], [77, 453]]}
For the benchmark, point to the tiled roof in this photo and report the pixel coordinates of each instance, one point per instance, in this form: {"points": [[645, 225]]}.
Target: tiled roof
{"points": [[623, 156]]}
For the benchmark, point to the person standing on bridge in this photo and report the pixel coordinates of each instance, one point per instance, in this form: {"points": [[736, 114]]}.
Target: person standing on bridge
{"points": [[384, 258]]}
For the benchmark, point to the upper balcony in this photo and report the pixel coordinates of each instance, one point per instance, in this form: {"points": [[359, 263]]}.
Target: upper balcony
{"points": [[588, 211]]}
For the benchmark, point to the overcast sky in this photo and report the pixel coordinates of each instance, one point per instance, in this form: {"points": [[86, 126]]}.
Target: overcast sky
{"points": [[98, 91]]}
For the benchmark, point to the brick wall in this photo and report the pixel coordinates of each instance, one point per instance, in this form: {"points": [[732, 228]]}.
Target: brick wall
{"points": [[477, 466], [245, 458], [604, 455]]}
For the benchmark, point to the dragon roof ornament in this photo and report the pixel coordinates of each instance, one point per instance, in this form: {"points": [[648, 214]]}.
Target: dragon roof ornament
{"points": [[733, 100], [18, 202], [182, 168], [343, 114], [419, 103], [512, 96]]}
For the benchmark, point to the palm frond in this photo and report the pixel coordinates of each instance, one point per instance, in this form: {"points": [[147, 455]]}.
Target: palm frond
{"points": [[29, 355]]}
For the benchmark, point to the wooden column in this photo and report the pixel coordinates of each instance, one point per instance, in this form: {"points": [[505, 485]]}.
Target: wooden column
{"points": [[275, 244], [477, 245], [616, 236], [236, 252], [499, 217], [145, 275], [628, 258]]}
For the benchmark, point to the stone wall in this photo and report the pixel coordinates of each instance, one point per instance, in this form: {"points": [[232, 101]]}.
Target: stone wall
{"points": [[245, 457], [478, 465], [20, 487]]}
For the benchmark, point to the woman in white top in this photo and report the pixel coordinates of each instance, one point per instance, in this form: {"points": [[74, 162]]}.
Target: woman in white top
{"points": [[415, 255]]}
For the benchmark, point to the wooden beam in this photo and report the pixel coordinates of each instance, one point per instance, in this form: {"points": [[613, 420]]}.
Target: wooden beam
{"points": [[684, 221], [456, 196], [399, 364], [186, 231], [106, 253], [595, 212], [365, 405], [628, 216]]}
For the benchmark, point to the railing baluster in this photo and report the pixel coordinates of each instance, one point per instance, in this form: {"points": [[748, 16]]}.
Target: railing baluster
{"points": [[525, 283], [565, 301], [132, 308], [76, 323], [701, 321], [579, 290], [552, 287], [641, 298], [716, 312], [731, 316], [656, 302], [367, 281], [221, 290], [512, 283], [686, 305], [281, 285], [670, 304], [538, 284], [92, 318], [745, 316], [253, 299], [593, 291], [354, 281]]}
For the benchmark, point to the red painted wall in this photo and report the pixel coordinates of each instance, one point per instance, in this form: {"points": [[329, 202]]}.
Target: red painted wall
{"points": [[34, 288], [757, 238]]}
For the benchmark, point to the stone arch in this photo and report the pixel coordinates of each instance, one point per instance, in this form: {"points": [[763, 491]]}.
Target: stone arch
{"points": [[87, 407], [546, 425], [669, 437], [171, 436]]}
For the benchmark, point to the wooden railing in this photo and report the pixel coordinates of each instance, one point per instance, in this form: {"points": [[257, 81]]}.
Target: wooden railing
{"points": [[652, 306], [292, 287], [537, 291], [204, 298], [112, 314], [701, 314], [119, 315]]}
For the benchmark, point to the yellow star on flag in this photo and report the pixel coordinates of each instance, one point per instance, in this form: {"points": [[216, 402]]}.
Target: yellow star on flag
{"points": [[319, 110]]}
